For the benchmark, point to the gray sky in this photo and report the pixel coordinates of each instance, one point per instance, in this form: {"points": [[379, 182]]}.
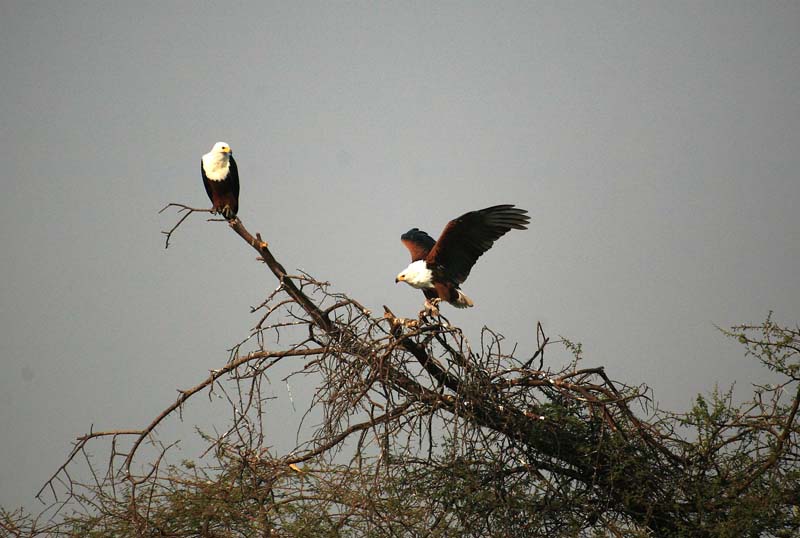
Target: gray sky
{"points": [[656, 145]]}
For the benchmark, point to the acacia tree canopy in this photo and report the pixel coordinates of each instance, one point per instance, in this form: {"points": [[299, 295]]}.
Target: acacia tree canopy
{"points": [[418, 432]]}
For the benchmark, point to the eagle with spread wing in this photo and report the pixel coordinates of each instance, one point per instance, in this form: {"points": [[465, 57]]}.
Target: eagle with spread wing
{"points": [[439, 267]]}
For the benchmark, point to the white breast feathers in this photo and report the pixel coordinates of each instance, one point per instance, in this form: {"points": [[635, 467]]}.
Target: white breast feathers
{"points": [[216, 165]]}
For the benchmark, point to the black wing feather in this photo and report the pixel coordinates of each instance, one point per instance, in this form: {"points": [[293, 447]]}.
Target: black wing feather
{"points": [[233, 176], [466, 238], [206, 183], [418, 243]]}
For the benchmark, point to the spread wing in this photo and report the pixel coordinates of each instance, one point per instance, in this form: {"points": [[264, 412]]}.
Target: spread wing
{"points": [[466, 238], [418, 243]]}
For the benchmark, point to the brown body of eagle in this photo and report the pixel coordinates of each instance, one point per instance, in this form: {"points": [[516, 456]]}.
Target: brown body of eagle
{"points": [[221, 180]]}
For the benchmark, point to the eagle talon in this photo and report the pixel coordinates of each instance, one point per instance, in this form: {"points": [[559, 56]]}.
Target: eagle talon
{"points": [[227, 212], [431, 308]]}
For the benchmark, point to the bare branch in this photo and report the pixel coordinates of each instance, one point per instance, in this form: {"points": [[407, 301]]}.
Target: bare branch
{"points": [[181, 209]]}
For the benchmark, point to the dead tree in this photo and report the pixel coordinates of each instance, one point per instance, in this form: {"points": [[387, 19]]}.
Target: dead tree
{"points": [[418, 433]]}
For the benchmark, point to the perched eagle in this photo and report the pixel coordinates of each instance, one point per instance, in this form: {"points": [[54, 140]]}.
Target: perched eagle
{"points": [[438, 267], [221, 178]]}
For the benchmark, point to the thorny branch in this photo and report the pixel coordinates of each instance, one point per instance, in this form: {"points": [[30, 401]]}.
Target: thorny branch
{"points": [[412, 392]]}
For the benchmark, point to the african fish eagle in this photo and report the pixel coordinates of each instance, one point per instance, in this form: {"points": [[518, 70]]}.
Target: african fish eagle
{"points": [[438, 267], [221, 179]]}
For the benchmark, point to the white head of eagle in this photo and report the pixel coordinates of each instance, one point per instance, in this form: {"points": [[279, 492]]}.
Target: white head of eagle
{"points": [[438, 267], [221, 179]]}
